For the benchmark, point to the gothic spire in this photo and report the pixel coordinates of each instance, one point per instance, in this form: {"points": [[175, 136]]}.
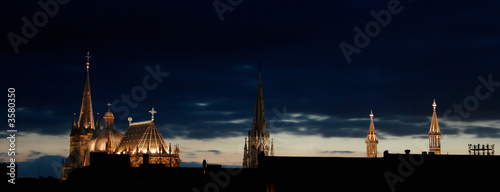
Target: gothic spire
{"points": [[371, 131], [259, 126], [245, 149], [245, 155], [434, 123], [86, 120], [371, 140], [272, 147], [434, 133], [97, 126], [74, 128]]}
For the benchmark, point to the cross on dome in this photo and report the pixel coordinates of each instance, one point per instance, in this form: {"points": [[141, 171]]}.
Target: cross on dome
{"points": [[153, 113]]}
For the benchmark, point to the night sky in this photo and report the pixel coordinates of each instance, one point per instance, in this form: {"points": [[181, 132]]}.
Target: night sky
{"points": [[402, 55]]}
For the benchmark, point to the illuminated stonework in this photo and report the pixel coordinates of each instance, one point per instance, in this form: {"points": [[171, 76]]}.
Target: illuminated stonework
{"points": [[139, 139], [371, 140], [145, 138], [81, 132], [434, 133], [258, 139]]}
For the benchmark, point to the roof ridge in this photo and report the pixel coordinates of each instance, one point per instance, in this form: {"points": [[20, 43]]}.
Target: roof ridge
{"points": [[141, 122]]}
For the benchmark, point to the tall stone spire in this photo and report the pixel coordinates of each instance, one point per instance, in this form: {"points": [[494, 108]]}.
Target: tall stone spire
{"points": [[434, 133], [81, 132], [371, 140], [258, 137], [259, 127], [86, 120]]}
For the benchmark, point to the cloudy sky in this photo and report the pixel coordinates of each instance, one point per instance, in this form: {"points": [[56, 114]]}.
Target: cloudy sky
{"points": [[325, 65]]}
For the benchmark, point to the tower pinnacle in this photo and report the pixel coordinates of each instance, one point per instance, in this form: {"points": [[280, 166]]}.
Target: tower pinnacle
{"points": [[371, 139], [86, 119], [258, 138], [434, 133]]}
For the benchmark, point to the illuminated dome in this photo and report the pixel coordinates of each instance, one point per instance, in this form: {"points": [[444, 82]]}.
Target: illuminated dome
{"points": [[106, 139], [101, 141], [108, 114]]}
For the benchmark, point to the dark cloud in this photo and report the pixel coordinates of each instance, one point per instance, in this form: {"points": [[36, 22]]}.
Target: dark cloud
{"points": [[191, 164], [210, 92], [333, 152], [35, 153], [484, 132], [217, 152]]}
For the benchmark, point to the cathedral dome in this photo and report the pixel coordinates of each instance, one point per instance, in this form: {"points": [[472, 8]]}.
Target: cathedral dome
{"points": [[108, 114], [100, 142]]}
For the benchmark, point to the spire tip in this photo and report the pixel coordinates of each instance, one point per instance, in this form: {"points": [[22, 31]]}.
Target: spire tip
{"points": [[88, 59]]}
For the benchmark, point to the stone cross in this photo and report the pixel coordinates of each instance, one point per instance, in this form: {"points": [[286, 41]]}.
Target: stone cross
{"points": [[153, 113]]}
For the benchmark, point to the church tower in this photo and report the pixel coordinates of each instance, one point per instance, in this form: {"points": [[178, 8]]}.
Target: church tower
{"points": [[81, 132], [371, 140], [434, 133], [86, 120], [258, 138]]}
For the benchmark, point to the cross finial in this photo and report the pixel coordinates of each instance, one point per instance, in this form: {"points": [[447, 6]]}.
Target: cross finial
{"points": [[153, 113], [88, 59], [109, 106]]}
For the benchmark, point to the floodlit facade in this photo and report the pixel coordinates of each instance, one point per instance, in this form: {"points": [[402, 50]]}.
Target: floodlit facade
{"points": [[371, 140], [140, 138], [145, 138], [81, 132], [258, 138], [434, 133]]}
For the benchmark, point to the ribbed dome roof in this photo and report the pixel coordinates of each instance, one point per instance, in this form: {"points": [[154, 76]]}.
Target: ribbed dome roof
{"points": [[98, 143], [108, 114]]}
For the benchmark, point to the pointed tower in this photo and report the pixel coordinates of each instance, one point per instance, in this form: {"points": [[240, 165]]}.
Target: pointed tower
{"points": [[434, 133], [371, 140], [74, 128], [81, 132], [258, 137], [97, 126], [245, 154], [86, 120]]}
